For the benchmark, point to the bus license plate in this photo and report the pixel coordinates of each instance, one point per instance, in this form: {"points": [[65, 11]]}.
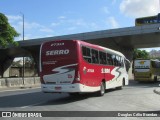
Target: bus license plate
{"points": [[58, 88]]}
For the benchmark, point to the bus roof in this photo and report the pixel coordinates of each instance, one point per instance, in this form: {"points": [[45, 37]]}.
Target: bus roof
{"points": [[147, 59], [103, 48]]}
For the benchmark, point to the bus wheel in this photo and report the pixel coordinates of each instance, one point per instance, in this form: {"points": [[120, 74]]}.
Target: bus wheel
{"points": [[76, 94], [102, 89]]}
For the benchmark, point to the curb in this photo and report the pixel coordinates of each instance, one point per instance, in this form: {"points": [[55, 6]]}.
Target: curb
{"points": [[17, 88], [157, 91]]}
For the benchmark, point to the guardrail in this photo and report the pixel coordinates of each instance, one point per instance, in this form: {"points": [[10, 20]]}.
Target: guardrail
{"points": [[19, 82]]}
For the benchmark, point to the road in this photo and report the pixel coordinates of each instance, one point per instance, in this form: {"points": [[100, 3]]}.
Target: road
{"points": [[134, 97]]}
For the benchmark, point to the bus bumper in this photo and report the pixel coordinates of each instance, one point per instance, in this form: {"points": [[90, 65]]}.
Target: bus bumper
{"points": [[143, 79], [70, 88]]}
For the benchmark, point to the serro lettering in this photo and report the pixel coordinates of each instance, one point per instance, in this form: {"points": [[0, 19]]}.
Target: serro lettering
{"points": [[57, 52]]}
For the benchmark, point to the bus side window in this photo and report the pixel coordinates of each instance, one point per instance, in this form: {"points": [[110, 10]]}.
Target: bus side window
{"points": [[86, 54], [153, 64], [122, 63], [158, 64], [114, 60], [109, 59], [102, 58], [158, 18], [118, 60], [84, 51], [95, 58]]}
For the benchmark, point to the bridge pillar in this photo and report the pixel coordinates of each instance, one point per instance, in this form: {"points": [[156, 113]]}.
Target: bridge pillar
{"points": [[5, 65], [129, 55], [35, 54]]}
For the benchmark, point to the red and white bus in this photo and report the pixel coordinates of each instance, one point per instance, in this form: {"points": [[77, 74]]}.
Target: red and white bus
{"points": [[74, 66]]}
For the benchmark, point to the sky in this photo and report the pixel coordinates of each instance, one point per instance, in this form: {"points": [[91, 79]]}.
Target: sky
{"points": [[48, 18]]}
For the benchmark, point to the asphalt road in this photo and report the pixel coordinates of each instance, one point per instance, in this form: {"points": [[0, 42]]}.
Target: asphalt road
{"points": [[134, 97]]}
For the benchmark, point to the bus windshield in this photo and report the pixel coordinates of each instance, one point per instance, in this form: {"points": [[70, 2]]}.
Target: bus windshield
{"points": [[142, 64]]}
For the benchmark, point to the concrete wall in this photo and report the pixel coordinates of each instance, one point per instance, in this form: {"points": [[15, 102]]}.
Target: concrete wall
{"points": [[29, 72], [3, 82], [130, 74], [19, 82], [6, 73]]}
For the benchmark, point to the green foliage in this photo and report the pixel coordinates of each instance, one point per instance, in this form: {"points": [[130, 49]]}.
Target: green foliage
{"points": [[29, 62], [7, 32], [140, 54]]}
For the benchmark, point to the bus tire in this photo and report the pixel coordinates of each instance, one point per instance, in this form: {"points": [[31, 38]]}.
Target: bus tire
{"points": [[102, 89], [76, 94]]}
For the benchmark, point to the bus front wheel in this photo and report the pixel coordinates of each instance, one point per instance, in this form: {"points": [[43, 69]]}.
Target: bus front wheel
{"points": [[102, 89]]}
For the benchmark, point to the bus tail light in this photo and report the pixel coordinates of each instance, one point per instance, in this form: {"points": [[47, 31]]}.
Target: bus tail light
{"points": [[70, 76], [77, 79]]}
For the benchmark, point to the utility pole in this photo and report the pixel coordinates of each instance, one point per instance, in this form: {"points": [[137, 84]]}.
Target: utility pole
{"points": [[159, 6], [23, 56], [23, 68]]}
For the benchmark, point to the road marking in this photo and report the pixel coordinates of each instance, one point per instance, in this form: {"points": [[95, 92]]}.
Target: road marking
{"points": [[20, 89], [32, 105]]}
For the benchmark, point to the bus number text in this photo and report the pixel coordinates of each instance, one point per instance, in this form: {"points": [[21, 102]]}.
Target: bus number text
{"points": [[105, 70]]}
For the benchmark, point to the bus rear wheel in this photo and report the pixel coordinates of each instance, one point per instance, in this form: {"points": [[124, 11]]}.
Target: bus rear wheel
{"points": [[76, 94], [102, 89]]}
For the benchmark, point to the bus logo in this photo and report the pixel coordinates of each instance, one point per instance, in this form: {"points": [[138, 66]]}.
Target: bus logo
{"points": [[84, 70], [142, 62], [105, 70], [57, 52], [57, 44]]}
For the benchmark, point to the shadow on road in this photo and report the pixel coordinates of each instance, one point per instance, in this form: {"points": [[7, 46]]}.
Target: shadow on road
{"points": [[133, 83], [64, 100], [19, 100], [41, 99], [71, 99]]}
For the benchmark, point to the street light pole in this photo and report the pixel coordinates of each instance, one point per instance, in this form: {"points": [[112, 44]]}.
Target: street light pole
{"points": [[159, 6], [23, 70]]}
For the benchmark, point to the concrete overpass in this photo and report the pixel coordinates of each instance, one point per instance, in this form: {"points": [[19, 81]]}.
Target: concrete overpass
{"points": [[122, 39]]}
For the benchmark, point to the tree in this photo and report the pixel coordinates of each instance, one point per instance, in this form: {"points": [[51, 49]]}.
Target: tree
{"points": [[7, 32], [140, 54], [29, 62]]}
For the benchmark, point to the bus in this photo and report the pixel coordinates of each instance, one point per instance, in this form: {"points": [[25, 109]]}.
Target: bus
{"points": [[146, 70], [74, 67]]}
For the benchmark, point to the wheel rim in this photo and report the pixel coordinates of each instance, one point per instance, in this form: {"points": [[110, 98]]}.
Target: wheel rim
{"points": [[102, 88]]}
